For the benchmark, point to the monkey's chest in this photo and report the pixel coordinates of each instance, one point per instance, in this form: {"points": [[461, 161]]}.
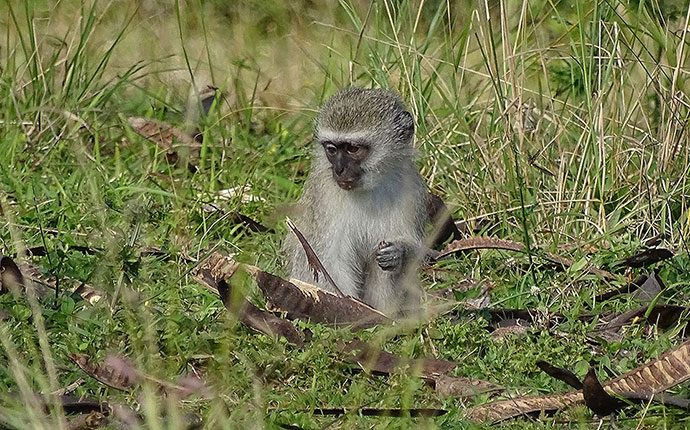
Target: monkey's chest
{"points": [[351, 235]]}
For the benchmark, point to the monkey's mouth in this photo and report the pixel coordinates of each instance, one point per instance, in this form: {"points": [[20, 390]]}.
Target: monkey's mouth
{"points": [[346, 185]]}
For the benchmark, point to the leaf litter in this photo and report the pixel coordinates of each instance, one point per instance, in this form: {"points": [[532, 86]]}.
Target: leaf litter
{"points": [[295, 300]]}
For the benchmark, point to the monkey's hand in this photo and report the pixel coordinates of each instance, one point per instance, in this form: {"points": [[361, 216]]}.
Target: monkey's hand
{"points": [[391, 255]]}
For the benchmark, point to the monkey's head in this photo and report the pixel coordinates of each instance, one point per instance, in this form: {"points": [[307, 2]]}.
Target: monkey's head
{"points": [[361, 134]]}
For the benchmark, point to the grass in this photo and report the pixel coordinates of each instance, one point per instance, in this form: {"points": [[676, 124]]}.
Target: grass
{"points": [[555, 123]]}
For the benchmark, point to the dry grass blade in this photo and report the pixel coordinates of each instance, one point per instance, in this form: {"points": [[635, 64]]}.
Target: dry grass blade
{"points": [[511, 245], [669, 369], [380, 412], [312, 258]]}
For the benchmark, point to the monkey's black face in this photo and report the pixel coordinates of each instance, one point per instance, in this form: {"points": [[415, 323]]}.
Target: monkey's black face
{"points": [[346, 159]]}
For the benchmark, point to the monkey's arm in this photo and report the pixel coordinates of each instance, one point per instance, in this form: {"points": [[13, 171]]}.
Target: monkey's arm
{"points": [[395, 255]]}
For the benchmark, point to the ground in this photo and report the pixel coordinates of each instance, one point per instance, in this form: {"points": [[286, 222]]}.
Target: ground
{"points": [[561, 125]]}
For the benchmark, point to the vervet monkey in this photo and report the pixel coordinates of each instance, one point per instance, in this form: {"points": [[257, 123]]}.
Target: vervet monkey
{"points": [[363, 208]]}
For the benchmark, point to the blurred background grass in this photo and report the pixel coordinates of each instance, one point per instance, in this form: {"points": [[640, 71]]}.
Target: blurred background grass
{"points": [[558, 123]]}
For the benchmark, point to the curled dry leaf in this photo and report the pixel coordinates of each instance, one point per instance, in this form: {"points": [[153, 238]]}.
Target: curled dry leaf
{"points": [[11, 278], [41, 251], [444, 227], [191, 384], [213, 272], [663, 316], [669, 369], [43, 283], [511, 245], [649, 289], [533, 316], [378, 361], [259, 320], [126, 417], [644, 288], [116, 372], [646, 397], [646, 257], [296, 299], [79, 405], [596, 398], [303, 301], [561, 374], [433, 371], [517, 327], [629, 288], [180, 148], [92, 420], [252, 225], [462, 387]]}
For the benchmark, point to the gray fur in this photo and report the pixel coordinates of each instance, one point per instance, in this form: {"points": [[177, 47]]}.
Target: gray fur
{"points": [[345, 228]]}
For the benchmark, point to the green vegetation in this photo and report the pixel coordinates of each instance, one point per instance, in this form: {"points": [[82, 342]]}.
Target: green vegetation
{"points": [[561, 124]]}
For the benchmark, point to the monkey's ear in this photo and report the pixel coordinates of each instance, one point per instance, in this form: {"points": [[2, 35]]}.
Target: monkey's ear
{"points": [[405, 124]]}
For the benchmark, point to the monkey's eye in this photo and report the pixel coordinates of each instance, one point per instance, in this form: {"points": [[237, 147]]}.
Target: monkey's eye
{"points": [[353, 149], [330, 148]]}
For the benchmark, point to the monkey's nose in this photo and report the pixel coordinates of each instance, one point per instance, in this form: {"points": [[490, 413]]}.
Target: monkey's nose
{"points": [[339, 164]]}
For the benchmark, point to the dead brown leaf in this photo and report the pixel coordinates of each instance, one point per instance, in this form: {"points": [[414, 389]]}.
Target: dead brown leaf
{"points": [[179, 147], [596, 398], [92, 420], [646, 257], [561, 374], [644, 288], [214, 272], [313, 259], [444, 227], [298, 300], [304, 301], [669, 369], [115, 372], [663, 316], [516, 327], [44, 283], [462, 387], [11, 278], [473, 243], [378, 361]]}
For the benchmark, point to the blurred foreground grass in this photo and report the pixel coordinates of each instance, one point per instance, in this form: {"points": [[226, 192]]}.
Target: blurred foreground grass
{"points": [[558, 123]]}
